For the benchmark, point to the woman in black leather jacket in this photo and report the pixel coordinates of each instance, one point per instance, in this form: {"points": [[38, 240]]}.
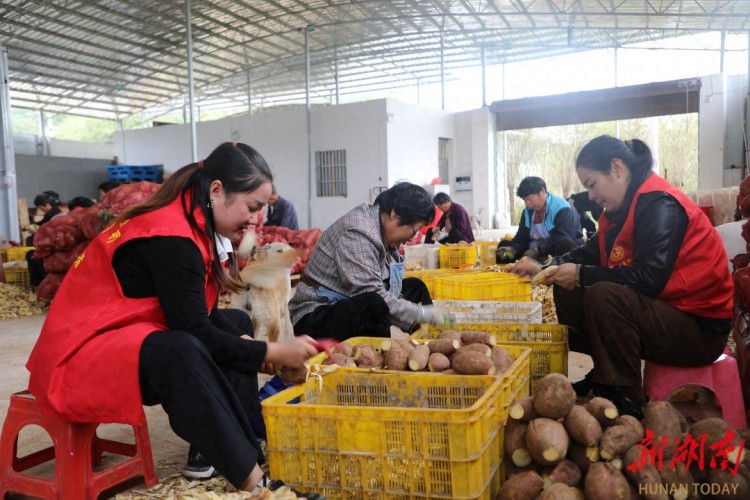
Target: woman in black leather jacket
{"points": [[651, 284]]}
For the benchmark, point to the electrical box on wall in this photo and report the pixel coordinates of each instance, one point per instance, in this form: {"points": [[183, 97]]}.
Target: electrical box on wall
{"points": [[463, 183]]}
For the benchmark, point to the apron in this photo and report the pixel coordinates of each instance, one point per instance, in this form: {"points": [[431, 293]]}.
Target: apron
{"points": [[538, 233]]}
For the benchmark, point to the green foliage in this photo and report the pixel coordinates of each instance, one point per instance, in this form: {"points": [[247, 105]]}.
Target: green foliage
{"points": [[66, 127], [678, 150], [24, 121], [79, 128]]}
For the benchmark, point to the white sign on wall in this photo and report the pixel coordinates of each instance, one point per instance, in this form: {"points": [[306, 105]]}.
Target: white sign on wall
{"points": [[463, 183]]}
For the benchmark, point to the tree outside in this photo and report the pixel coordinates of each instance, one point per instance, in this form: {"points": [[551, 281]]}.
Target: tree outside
{"points": [[550, 153], [65, 127]]}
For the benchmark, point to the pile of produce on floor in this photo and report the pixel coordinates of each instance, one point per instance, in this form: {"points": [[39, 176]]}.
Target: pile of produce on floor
{"points": [[16, 302], [557, 449], [177, 487]]}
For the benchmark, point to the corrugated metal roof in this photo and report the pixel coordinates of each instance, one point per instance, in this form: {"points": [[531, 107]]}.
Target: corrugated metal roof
{"points": [[115, 58]]}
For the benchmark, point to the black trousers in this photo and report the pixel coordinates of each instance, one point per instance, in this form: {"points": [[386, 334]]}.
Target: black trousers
{"points": [[36, 269], [618, 326], [364, 315], [208, 406]]}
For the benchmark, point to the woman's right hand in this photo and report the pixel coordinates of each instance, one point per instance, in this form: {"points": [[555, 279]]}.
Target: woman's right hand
{"points": [[526, 267], [292, 353]]}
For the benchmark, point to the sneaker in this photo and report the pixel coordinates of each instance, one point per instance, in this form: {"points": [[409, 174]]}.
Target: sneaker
{"points": [[197, 466], [584, 386]]}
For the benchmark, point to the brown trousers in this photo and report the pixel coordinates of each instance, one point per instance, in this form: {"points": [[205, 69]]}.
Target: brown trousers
{"points": [[618, 326]]}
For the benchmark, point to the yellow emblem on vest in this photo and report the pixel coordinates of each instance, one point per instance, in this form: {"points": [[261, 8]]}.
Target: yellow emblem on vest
{"points": [[79, 259], [115, 223], [618, 253], [112, 237]]}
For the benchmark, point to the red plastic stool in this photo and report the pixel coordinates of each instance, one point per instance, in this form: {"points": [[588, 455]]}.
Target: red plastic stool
{"points": [[721, 377], [76, 450]]}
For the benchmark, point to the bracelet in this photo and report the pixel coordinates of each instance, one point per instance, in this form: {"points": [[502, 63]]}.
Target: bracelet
{"points": [[578, 276]]}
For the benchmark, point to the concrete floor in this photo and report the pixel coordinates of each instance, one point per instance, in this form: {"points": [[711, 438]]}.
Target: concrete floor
{"points": [[17, 338]]}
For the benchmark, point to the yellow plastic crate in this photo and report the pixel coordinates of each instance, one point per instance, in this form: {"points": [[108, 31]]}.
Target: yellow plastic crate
{"points": [[17, 254], [548, 343], [482, 286], [428, 275], [384, 434], [458, 256], [487, 254], [18, 276]]}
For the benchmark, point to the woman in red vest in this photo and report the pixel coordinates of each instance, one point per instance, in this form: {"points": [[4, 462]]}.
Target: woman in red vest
{"points": [[651, 284], [135, 320]]}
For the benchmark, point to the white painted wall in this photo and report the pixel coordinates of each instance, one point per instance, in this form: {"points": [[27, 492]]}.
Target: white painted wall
{"points": [[360, 129], [475, 156], [167, 145], [80, 149], [412, 143], [280, 137], [27, 144], [412, 146]]}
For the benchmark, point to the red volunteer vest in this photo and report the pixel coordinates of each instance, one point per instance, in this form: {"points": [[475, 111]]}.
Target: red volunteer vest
{"points": [[700, 282], [84, 366]]}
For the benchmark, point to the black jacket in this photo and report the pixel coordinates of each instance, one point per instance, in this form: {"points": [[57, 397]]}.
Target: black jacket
{"points": [[567, 227]]}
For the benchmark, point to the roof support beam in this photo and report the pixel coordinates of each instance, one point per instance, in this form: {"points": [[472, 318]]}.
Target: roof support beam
{"points": [[308, 126], [191, 83], [8, 191]]}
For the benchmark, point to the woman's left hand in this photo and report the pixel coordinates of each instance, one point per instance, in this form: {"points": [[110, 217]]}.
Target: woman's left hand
{"points": [[564, 276]]}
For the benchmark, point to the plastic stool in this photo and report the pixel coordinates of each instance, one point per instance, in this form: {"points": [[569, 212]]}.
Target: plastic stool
{"points": [[76, 450], [721, 377]]}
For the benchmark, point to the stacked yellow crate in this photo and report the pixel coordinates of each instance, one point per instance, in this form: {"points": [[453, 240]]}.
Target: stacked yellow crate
{"points": [[385, 434], [15, 267], [487, 254], [428, 276], [482, 286], [458, 256]]}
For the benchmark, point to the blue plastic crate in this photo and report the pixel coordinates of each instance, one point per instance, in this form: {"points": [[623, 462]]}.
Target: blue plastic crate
{"points": [[133, 173]]}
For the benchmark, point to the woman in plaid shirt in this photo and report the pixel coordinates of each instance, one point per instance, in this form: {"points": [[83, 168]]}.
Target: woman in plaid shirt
{"points": [[353, 283]]}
